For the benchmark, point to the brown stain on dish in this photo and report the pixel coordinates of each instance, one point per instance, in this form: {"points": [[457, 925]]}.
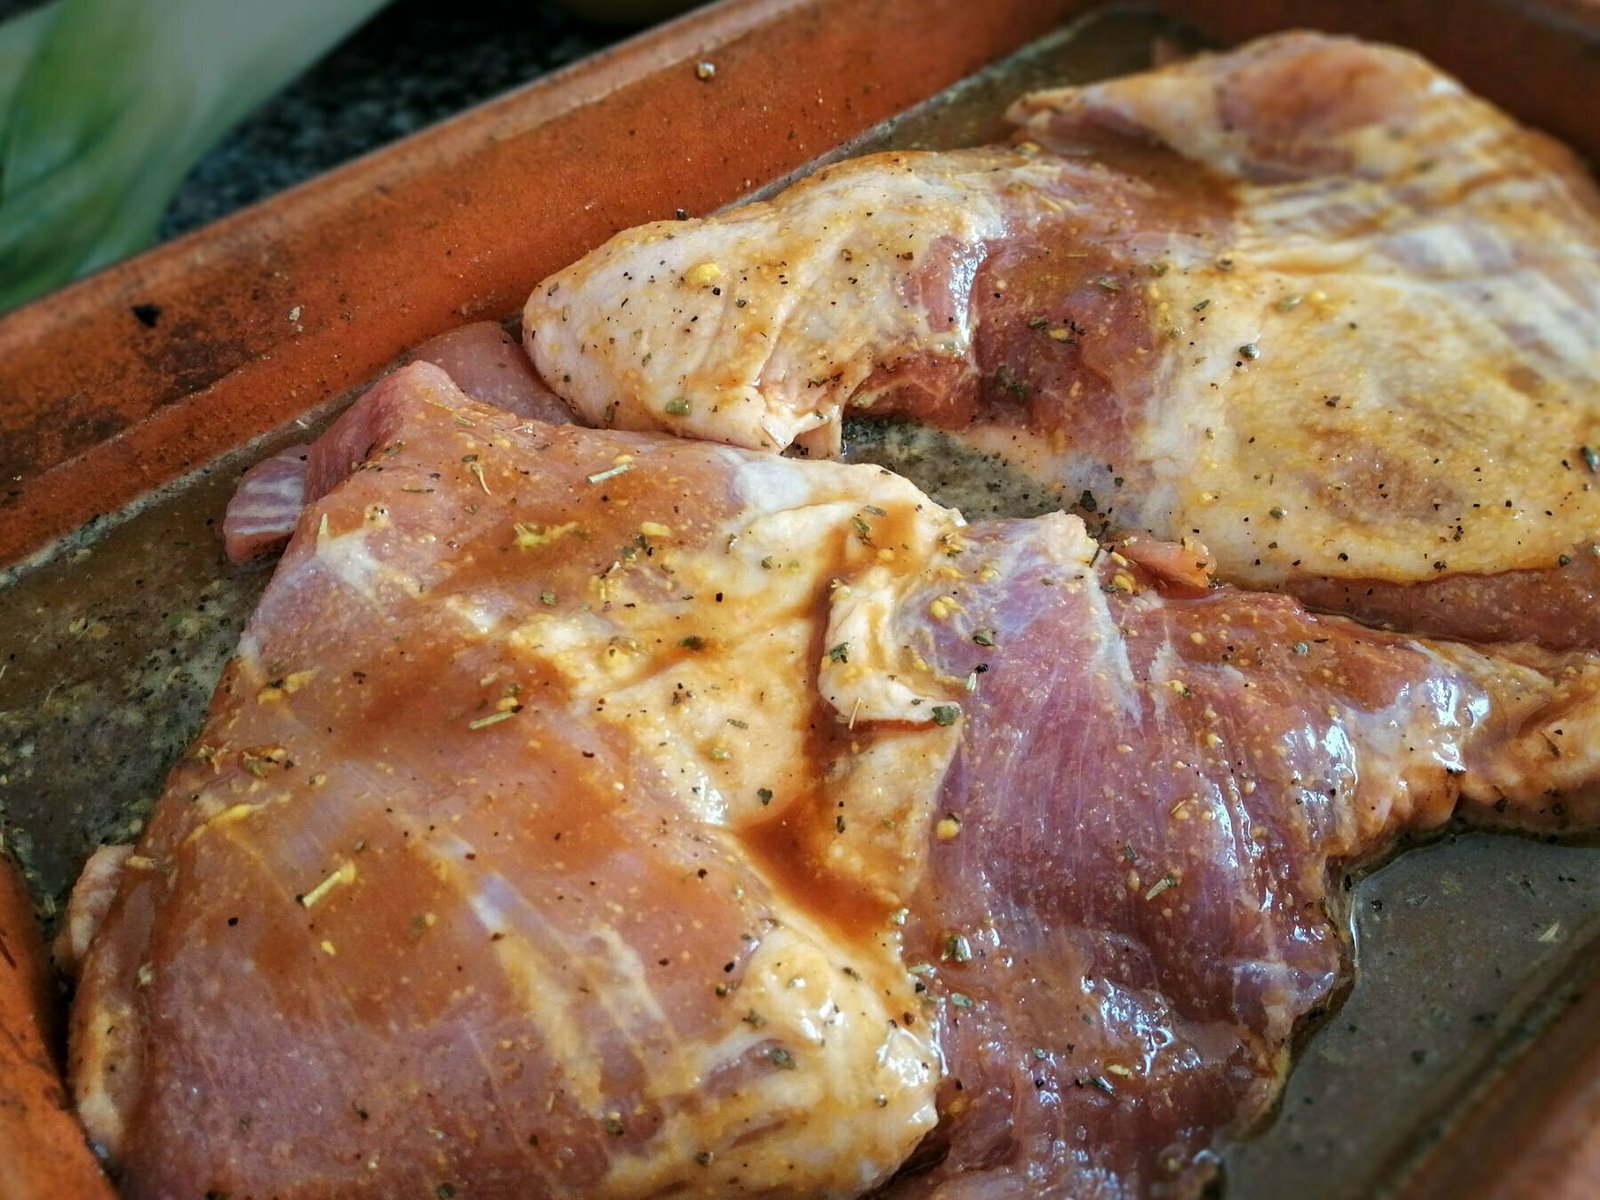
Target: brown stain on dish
{"points": [[42, 1148], [191, 354], [71, 425]]}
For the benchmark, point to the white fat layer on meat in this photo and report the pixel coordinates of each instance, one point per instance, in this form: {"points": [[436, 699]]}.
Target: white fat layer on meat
{"points": [[477, 612], [348, 559], [755, 327], [1548, 753], [819, 1087], [887, 794], [561, 980], [112, 1044], [91, 897], [109, 1043], [1294, 518], [267, 505], [772, 493], [1071, 553], [679, 684], [864, 676], [827, 1092]]}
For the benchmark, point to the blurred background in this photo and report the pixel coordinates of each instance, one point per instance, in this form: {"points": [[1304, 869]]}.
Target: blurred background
{"points": [[124, 122]]}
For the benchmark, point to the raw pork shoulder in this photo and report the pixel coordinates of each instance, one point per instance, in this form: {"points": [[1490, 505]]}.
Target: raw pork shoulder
{"points": [[484, 361], [1308, 301], [591, 813]]}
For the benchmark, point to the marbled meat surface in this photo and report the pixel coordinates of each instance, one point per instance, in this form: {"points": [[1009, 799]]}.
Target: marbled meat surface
{"points": [[1309, 302], [599, 813]]}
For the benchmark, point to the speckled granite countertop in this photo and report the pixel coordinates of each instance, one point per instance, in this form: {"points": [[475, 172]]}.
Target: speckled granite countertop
{"points": [[415, 63]]}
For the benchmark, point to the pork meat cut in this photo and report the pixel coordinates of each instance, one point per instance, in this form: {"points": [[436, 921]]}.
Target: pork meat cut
{"points": [[1308, 301], [596, 813]]}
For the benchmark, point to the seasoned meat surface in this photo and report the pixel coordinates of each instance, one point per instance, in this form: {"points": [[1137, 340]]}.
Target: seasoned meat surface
{"points": [[1150, 789], [606, 814], [1308, 301], [481, 359], [452, 889]]}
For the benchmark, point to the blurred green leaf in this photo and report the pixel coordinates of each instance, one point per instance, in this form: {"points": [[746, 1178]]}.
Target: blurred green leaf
{"points": [[117, 101], [18, 38]]}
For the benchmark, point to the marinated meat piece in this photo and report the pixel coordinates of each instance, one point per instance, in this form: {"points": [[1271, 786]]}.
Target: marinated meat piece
{"points": [[1121, 951], [1507, 607], [1308, 301], [606, 814], [488, 364], [264, 507], [91, 899], [452, 888], [484, 361], [757, 327]]}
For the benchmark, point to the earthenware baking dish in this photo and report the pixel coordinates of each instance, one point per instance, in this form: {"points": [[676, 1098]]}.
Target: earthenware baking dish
{"points": [[1465, 1055]]}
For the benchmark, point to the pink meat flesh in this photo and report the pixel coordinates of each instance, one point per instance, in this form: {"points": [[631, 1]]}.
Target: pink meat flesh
{"points": [[490, 365], [266, 504], [592, 813], [485, 362]]}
